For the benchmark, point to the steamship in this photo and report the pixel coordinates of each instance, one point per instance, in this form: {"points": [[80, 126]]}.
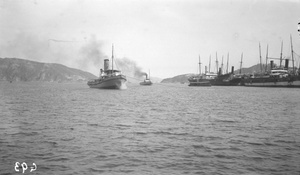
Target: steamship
{"points": [[201, 79], [275, 77], [108, 78], [147, 81]]}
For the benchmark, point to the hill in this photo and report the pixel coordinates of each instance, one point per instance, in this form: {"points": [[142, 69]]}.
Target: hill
{"points": [[252, 69], [177, 79], [15, 69], [184, 77]]}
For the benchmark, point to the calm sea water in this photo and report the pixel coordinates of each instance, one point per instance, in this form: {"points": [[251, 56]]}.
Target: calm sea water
{"points": [[68, 128]]}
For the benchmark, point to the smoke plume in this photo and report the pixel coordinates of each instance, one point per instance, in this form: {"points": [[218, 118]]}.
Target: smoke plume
{"points": [[91, 54], [129, 67], [86, 55]]}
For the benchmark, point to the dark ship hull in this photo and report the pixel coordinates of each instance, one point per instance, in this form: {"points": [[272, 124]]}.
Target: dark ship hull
{"points": [[226, 80], [146, 83]]}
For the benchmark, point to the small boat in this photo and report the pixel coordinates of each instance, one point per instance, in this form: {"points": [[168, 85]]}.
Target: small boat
{"points": [[109, 78], [147, 81]]}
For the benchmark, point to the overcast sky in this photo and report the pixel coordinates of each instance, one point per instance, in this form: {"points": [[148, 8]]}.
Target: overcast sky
{"points": [[165, 36]]}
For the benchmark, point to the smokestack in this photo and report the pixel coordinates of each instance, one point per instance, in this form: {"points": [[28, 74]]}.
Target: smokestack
{"points": [[272, 64], [205, 69], [106, 64], [101, 71], [232, 69], [220, 71], [286, 64]]}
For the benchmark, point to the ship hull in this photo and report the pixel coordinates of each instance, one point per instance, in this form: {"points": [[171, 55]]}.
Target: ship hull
{"points": [[200, 83], [271, 82], [146, 84], [117, 82], [226, 80], [233, 82]]}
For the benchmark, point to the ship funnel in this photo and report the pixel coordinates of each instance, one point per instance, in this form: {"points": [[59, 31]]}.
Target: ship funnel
{"points": [[286, 64], [205, 69], [272, 64], [106, 64], [220, 71], [232, 69]]}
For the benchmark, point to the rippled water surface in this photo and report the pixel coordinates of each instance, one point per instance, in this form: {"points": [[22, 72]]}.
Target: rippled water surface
{"points": [[68, 128]]}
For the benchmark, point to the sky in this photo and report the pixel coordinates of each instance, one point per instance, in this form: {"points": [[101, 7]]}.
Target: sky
{"points": [[166, 37]]}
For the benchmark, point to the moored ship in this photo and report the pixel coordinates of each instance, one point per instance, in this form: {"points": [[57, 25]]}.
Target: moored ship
{"points": [[276, 76], [229, 79], [109, 78], [201, 79]]}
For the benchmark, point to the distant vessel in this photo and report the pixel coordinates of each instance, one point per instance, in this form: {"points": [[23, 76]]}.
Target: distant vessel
{"points": [[201, 79], [147, 81], [276, 76], [109, 78]]}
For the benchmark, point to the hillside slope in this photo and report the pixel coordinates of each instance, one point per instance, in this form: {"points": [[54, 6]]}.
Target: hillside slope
{"points": [[15, 69]]}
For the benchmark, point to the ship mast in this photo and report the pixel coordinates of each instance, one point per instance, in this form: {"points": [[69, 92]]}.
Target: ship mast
{"points": [[241, 64], [112, 58], [217, 63], [267, 57], [209, 63], [292, 54], [260, 58], [281, 54], [222, 65], [227, 63], [199, 66]]}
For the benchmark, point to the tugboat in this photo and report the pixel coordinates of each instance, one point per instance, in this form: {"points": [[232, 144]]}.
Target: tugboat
{"points": [[147, 81], [109, 78]]}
